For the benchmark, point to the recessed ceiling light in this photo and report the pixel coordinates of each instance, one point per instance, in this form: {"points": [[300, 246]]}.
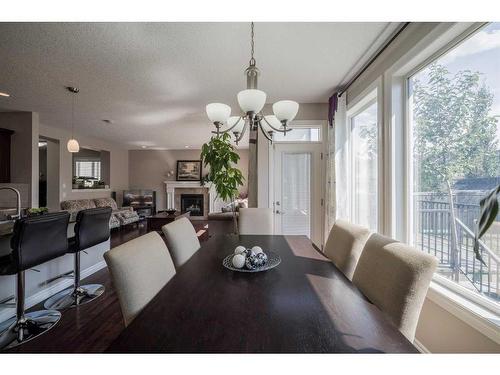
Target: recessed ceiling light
{"points": [[4, 94], [144, 146], [186, 146]]}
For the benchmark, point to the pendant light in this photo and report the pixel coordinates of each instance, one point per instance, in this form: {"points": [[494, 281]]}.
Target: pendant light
{"points": [[73, 145]]}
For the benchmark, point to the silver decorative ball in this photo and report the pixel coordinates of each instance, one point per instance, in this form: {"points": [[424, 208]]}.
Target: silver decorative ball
{"points": [[250, 262], [257, 249], [238, 260], [262, 258], [240, 250]]}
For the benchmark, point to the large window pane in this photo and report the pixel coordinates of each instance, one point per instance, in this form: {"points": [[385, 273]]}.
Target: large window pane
{"points": [[455, 158], [364, 167]]}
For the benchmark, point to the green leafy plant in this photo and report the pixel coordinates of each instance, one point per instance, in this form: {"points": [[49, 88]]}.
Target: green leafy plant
{"points": [[37, 211], [220, 156], [488, 214]]}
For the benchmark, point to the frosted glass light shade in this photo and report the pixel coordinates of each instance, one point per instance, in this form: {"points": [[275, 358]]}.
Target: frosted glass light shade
{"points": [[251, 100], [285, 110], [271, 119], [218, 112], [233, 120], [73, 145]]}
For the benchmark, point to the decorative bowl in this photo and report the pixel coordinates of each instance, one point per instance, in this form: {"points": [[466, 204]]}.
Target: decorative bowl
{"points": [[170, 212], [273, 260]]}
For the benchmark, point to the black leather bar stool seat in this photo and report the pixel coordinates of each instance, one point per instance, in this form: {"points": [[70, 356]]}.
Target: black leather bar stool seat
{"points": [[36, 240], [91, 228], [7, 265]]}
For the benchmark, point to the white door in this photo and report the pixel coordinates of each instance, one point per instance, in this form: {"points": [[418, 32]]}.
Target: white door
{"points": [[298, 183]]}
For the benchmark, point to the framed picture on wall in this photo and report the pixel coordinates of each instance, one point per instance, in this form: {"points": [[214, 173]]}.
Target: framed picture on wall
{"points": [[188, 170]]}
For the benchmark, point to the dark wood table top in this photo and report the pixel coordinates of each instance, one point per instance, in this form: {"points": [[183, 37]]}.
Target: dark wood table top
{"points": [[174, 216], [303, 305]]}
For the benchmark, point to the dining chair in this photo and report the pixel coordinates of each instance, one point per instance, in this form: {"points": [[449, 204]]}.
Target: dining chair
{"points": [[139, 269], [345, 244], [255, 221], [395, 277], [181, 240]]}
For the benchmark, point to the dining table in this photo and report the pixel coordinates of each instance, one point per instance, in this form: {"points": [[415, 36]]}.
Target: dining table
{"points": [[303, 305]]}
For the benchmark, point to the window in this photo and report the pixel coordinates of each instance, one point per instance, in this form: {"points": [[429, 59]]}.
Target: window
{"points": [[299, 134], [454, 159], [363, 154], [90, 169]]}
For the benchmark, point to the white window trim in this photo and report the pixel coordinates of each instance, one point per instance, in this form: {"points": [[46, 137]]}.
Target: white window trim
{"points": [[306, 124], [372, 93], [472, 308]]}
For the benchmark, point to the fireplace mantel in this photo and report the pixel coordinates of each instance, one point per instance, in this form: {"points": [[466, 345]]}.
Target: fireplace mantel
{"points": [[172, 186]]}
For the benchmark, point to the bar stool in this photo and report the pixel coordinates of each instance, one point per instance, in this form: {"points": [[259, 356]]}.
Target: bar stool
{"points": [[36, 240], [91, 228]]}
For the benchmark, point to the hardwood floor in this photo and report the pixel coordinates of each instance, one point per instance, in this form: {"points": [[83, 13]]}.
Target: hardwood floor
{"points": [[92, 327]]}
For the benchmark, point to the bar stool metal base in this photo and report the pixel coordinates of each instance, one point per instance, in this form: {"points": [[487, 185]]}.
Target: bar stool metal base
{"points": [[70, 298], [34, 324]]}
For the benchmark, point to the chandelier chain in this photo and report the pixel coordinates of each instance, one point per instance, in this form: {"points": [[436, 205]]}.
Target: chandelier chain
{"points": [[252, 44], [73, 116]]}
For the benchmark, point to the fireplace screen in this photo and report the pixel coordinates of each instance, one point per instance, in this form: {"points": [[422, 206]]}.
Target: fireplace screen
{"points": [[192, 203]]}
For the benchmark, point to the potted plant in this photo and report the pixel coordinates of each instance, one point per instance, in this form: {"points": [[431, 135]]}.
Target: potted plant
{"points": [[220, 157], [487, 215], [37, 211]]}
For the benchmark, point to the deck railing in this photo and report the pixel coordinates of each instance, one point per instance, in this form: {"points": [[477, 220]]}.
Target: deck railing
{"points": [[433, 235]]}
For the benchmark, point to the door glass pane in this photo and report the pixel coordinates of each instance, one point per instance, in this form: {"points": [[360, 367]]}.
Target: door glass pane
{"points": [[364, 167], [296, 194]]}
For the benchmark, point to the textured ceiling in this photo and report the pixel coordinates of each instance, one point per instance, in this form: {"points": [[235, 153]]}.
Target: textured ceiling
{"points": [[154, 79]]}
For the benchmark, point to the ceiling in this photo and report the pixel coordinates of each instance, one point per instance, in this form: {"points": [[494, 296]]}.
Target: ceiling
{"points": [[153, 80]]}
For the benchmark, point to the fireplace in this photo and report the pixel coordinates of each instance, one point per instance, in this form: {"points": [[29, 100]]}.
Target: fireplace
{"points": [[192, 203]]}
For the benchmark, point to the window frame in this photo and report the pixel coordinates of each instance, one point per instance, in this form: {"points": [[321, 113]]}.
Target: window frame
{"points": [[403, 81], [372, 94], [302, 124]]}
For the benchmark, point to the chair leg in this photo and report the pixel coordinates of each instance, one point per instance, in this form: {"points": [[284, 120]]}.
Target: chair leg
{"points": [[25, 326], [76, 295]]}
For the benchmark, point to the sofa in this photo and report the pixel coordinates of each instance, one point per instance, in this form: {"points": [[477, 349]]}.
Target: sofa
{"points": [[119, 216], [227, 210]]}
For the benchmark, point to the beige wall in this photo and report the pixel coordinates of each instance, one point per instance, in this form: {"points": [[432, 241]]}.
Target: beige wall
{"points": [[148, 169], [53, 162], [118, 162], [24, 150], [441, 332]]}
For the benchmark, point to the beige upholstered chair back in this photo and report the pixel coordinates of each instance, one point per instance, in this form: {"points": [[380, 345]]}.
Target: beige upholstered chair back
{"points": [[139, 269], [182, 240], [255, 221], [345, 244], [395, 277]]}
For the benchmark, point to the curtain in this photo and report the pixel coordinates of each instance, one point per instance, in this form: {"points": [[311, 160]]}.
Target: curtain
{"points": [[336, 188]]}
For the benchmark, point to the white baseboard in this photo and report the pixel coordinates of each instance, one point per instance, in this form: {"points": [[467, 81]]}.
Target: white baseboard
{"points": [[421, 348], [47, 292]]}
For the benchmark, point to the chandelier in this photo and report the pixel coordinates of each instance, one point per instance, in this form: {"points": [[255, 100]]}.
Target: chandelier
{"points": [[252, 101]]}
